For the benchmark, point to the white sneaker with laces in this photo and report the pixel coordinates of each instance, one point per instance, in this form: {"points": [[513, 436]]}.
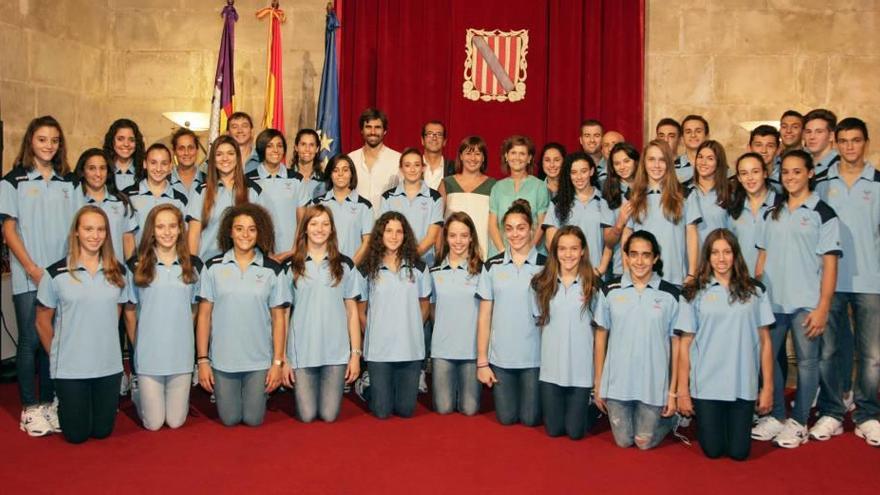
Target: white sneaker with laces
{"points": [[50, 411], [826, 428], [766, 429], [793, 435], [423, 383], [34, 423], [869, 431]]}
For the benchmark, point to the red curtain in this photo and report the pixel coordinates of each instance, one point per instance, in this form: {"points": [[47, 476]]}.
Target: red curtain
{"points": [[585, 60]]}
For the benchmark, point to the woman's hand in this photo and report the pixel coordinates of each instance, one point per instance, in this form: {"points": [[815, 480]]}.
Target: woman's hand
{"points": [[353, 370], [206, 376]]}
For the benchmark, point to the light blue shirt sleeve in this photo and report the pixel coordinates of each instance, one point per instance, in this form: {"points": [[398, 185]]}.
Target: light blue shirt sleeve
{"points": [[46, 294], [484, 289]]}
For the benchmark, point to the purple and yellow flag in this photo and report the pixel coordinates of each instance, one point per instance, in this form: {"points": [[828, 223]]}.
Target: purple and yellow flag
{"points": [[273, 116], [222, 101]]}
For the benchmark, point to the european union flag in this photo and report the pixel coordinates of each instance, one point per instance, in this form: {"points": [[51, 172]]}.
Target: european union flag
{"points": [[328, 100]]}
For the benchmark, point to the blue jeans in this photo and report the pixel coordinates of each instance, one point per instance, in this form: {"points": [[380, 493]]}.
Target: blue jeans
{"points": [[517, 396], [394, 388], [455, 386], [634, 422], [565, 410], [808, 352], [241, 397], [30, 355], [866, 316], [318, 392]]}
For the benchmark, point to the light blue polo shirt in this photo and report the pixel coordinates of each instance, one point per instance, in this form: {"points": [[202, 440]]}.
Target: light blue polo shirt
{"points": [[684, 169], [208, 247], [858, 210], [178, 184], [144, 201], [640, 328], [353, 219], [241, 319], [318, 333], [120, 223], [165, 333], [124, 179], [86, 339], [567, 338], [714, 216], [43, 211], [725, 354], [422, 211], [456, 310], [532, 189], [515, 341], [394, 330], [252, 162], [671, 236], [795, 245], [592, 216], [748, 226], [282, 194], [821, 166]]}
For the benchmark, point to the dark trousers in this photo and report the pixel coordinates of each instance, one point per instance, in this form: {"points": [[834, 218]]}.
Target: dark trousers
{"points": [[394, 388], [724, 427], [565, 410], [87, 407]]}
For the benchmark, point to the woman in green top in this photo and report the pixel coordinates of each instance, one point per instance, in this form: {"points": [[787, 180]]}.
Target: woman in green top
{"points": [[516, 160], [468, 190]]}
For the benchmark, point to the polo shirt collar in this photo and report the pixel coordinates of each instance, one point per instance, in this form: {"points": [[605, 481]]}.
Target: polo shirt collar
{"points": [[531, 259]]}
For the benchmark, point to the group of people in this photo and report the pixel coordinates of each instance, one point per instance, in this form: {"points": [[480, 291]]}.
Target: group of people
{"points": [[646, 285]]}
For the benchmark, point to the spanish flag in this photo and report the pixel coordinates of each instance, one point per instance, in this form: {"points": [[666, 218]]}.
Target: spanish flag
{"points": [[224, 84], [273, 117]]}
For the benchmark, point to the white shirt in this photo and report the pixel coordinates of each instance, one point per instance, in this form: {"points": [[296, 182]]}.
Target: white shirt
{"points": [[383, 176]]}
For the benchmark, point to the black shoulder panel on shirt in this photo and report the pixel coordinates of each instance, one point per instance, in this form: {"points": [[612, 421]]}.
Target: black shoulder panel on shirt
{"points": [[132, 263], [15, 176], [612, 284], [57, 268], [434, 194], [494, 260], [387, 194], [541, 260], [757, 283], [826, 213], [180, 196], [669, 288], [274, 265], [213, 261], [346, 261], [365, 201], [196, 262], [253, 185]]}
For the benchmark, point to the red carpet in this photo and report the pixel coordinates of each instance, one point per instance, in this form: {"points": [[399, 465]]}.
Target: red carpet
{"points": [[425, 454]]}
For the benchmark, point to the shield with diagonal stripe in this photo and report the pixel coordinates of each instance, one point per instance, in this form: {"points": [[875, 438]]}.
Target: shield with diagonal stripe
{"points": [[495, 65]]}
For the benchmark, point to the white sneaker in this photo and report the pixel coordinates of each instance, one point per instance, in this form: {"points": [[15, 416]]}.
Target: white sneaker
{"points": [[849, 401], [826, 428], [34, 422], [50, 411], [767, 429], [793, 435], [124, 385], [869, 431], [423, 383]]}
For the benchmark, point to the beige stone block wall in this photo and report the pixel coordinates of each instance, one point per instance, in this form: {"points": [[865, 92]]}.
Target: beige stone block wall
{"points": [[742, 60]]}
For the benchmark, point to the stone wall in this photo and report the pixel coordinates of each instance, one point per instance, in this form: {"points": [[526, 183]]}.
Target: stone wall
{"points": [[744, 60], [90, 61]]}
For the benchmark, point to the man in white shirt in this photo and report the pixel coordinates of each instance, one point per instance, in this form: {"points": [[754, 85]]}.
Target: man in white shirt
{"points": [[376, 164]]}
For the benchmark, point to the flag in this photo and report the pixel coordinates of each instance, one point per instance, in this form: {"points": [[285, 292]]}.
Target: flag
{"points": [[273, 116], [222, 104], [328, 99]]}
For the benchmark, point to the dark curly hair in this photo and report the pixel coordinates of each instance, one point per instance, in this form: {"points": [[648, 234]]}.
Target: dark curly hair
{"points": [[262, 219], [408, 253], [140, 148]]}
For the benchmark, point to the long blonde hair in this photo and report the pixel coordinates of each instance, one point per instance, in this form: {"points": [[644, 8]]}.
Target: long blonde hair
{"points": [[113, 271]]}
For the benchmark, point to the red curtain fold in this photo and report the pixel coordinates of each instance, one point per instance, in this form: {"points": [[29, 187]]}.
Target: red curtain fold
{"points": [[585, 60]]}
